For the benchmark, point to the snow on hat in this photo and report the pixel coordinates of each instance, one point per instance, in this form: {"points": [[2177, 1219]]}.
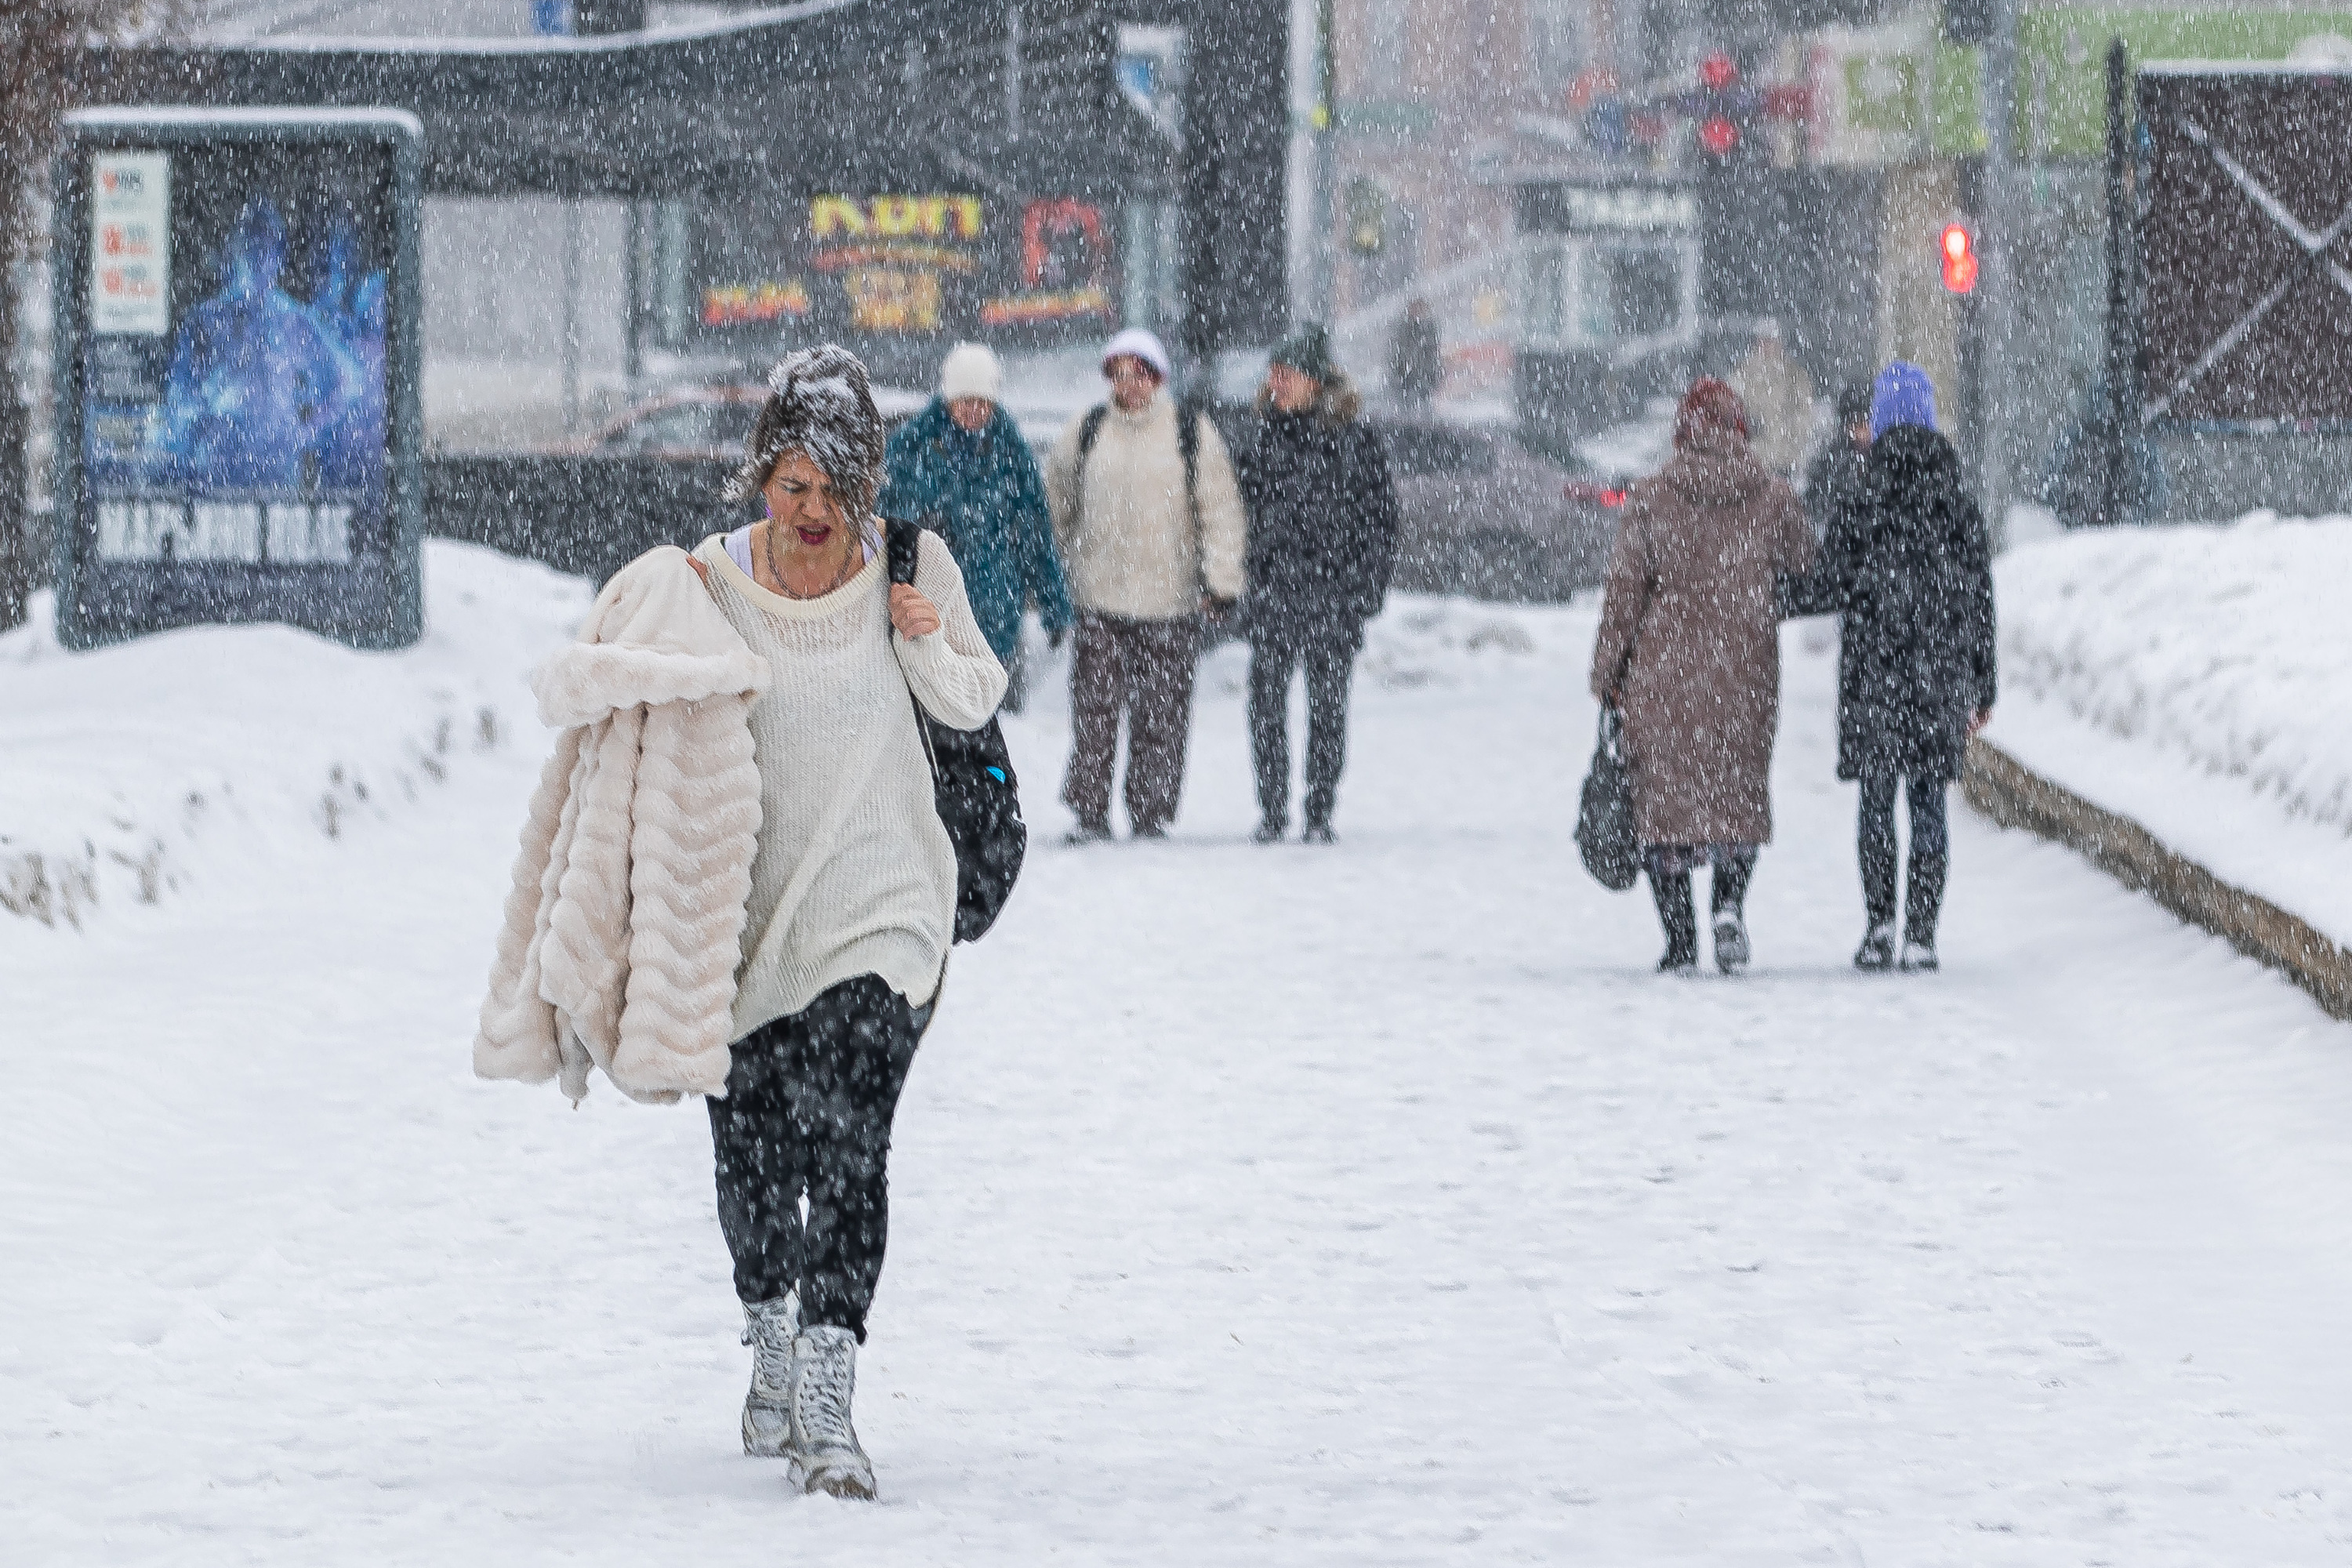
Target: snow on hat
{"points": [[1307, 351], [820, 403], [1144, 346], [1708, 407], [1852, 403], [971, 370], [1902, 396]]}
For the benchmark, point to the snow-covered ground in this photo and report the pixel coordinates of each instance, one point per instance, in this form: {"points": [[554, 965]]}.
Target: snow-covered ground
{"points": [[130, 768], [1370, 1205], [2193, 679]]}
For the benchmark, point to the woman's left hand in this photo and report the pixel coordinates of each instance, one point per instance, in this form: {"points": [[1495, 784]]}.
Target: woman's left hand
{"points": [[914, 616], [1978, 719]]}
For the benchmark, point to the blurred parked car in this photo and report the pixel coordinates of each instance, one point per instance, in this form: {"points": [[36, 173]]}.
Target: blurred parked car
{"points": [[710, 420], [706, 421]]}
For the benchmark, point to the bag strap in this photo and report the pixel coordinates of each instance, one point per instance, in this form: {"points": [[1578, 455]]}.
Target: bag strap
{"points": [[1089, 428], [901, 540]]}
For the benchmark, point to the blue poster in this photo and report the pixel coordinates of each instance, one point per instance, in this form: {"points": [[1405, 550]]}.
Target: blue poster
{"points": [[252, 430], [240, 432]]}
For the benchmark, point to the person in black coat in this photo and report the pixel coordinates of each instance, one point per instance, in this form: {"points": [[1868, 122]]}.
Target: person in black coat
{"points": [[1416, 359], [1322, 544], [1833, 478], [1909, 566]]}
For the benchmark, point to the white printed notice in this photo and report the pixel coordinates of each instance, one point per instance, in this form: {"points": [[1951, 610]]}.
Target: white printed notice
{"points": [[131, 243]]}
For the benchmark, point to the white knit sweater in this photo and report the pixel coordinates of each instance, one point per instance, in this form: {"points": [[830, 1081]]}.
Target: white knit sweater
{"points": [[853, 874]]}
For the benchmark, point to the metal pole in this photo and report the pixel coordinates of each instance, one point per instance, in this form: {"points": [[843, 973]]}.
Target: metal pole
{"points": [[2111, 431], [633, 275], [1327, 163], [570, 317], [1997, 366], [1014, 67]]}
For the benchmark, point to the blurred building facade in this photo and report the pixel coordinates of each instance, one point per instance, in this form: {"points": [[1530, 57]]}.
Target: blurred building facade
{"points": [[1828, 217]]}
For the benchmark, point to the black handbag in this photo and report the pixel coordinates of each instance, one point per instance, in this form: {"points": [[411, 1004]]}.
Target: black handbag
{"points": [[1606, 836], [979, 799]]}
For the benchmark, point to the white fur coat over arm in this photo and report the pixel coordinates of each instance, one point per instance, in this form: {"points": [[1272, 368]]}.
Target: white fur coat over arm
{"points": [[623, 929]]}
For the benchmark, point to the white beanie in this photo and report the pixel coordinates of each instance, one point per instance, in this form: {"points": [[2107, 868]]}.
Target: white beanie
{"points": [[1144, 346], [971, 370]]}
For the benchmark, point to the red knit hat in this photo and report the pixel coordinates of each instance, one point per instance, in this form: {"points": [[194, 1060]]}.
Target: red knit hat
{"points": [[1709, 405]]}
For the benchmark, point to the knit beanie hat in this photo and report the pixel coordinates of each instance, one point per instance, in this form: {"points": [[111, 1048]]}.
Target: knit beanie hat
{"points": [[1307, 351], [1143, 344], [1710, 407], [820, 404], [1902, 396], [971, 370], [1852, 403]]}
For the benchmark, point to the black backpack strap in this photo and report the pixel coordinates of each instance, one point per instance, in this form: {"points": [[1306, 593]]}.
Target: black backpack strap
{"points": [[1088, 429], [901, 540]]}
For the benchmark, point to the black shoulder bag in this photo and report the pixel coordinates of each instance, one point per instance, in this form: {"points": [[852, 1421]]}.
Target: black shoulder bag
{"points": [[1606, 834], [979, 799]]}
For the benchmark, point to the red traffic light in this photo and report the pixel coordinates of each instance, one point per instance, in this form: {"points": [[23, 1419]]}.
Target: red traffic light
{"points": [[1718, 72], [1958, 248], [1718, 133]]}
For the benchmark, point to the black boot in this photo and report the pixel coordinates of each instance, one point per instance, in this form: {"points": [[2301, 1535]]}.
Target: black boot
{"points": [[1679, 915]]}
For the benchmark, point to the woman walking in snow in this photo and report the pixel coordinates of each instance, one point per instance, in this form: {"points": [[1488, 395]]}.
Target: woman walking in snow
{"points": [[1689, 654], [1909, 567], [961, 468], [737, 885]]}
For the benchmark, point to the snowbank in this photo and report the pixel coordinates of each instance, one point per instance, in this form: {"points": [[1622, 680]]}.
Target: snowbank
{"points": [[131, 767], [2193, 678]]}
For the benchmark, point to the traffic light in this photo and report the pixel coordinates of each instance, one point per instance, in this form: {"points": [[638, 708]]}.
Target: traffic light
{"points": [[1722, 110], [1958, 248]]}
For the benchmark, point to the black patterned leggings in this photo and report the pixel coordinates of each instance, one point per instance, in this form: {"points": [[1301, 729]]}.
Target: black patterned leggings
{"points": [[807, 1114], [1930, 853]]}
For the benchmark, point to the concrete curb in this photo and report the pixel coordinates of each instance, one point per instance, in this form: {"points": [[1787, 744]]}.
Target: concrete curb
{"points": [[2014, 795]]}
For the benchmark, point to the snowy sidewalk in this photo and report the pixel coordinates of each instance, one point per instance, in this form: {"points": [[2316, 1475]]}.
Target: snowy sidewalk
{"points": [[1362, 1205]]}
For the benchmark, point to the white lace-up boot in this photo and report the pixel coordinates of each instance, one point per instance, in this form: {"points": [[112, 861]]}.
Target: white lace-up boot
{"points": [[826, 1456], [770, 1328], [1730, 942]]}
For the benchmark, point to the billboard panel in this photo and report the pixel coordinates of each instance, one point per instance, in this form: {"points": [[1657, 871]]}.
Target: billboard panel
{"points": [[901, 275], [2246, 243], [237, 334]]}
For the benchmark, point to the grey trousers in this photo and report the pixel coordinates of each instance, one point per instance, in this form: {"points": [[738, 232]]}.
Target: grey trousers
{"points": [[1142, 670]]}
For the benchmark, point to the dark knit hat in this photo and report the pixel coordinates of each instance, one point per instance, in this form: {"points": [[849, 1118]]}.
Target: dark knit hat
{"points": [[820, 405], [1709, 407], [1307, 351], [1853, 403]]}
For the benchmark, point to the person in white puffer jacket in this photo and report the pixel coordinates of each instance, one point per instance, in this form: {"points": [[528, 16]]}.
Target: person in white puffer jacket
{"points": [[1150, 549], [847, 905]]}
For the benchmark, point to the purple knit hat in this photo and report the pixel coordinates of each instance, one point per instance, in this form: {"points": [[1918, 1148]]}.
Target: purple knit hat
{"points": [[1902, 396]]}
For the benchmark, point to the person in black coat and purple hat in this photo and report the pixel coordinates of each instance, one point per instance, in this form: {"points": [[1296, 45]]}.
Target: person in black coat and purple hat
{"points": [[1909, 566]]}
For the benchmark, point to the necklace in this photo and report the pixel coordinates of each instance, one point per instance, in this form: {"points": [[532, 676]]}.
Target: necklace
{"points": [[848, 569]]}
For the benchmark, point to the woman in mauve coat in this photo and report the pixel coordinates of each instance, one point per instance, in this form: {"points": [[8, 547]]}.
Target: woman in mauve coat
{"points": [[1689, 653]]}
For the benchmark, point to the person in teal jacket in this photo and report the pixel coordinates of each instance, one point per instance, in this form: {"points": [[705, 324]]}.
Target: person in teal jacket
{"points": [[960, 469]]}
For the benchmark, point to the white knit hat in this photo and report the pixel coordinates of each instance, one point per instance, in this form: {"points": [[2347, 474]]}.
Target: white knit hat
{"points": [[1144, 346], [971, 370]]}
